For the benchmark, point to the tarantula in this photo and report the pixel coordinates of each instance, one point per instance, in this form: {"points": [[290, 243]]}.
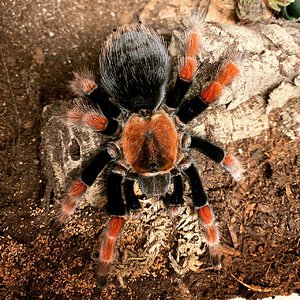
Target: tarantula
{"points": [[149, 142]]}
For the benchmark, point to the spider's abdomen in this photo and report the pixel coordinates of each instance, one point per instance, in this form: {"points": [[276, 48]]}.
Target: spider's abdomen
{"points": [[134, 67], [150, 144]]}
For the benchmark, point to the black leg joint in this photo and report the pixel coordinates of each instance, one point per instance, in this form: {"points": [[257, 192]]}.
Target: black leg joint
{"points": [[191, 109], [177, 196], [109, 109], [132, 202], [111, 127], [177, 94], [212, 151], [199, 196], [95, 166], [115, 205]]}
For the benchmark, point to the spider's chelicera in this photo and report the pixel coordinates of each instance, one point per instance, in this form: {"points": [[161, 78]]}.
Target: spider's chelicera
{"points": [[149, 141]]}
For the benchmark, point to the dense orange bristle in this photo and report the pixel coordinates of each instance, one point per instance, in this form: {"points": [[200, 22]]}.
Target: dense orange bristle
{"points": [[96, 121], [228, 73], [77, 188], [87, 85], [193, 44], [107, 250], [212, 235], [212, 92], [115, 226], [68, 205], [228, 160], [188, 69], [205, 214]]}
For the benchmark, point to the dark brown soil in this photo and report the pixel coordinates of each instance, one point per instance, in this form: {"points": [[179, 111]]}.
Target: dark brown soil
{"points": [[40, 46]]}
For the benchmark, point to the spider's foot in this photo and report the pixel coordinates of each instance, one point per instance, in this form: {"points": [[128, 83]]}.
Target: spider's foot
{"points": [[211, 232], [215, 256], [101, 281], [103, 269], [135, 213], [174, 210], [232, 165], [56, 226]]}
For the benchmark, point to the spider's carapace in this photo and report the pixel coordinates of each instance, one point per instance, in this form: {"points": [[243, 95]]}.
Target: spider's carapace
{"points": [[150, 143]]}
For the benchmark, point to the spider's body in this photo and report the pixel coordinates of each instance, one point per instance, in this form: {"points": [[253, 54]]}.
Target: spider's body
{"points": [[150, 144]]}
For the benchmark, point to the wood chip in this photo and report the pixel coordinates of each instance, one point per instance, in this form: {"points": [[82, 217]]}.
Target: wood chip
{"points": [[227, 250], [254, 287]]}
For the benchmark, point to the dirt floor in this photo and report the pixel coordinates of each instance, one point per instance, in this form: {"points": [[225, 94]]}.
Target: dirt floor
{"points": [[41, 43]]}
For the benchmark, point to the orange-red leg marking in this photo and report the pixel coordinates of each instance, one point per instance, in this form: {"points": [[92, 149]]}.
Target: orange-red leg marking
{"points": [[83, 82], [188, 69], [95, 121], [189, 66], [69, 203], [215, 88], [212, 92], [193, 44], [91, 119], [108, 245], [228, 73], [211, 234]]}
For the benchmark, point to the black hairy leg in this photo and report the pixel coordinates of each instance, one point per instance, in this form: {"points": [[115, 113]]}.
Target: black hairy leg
{"points": [[132, 201], [206, 216], [107, 248], [84, 85], [192, 108], [175, 200], [77, 190], [96, 165], [115, 207], [218, 155]]}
